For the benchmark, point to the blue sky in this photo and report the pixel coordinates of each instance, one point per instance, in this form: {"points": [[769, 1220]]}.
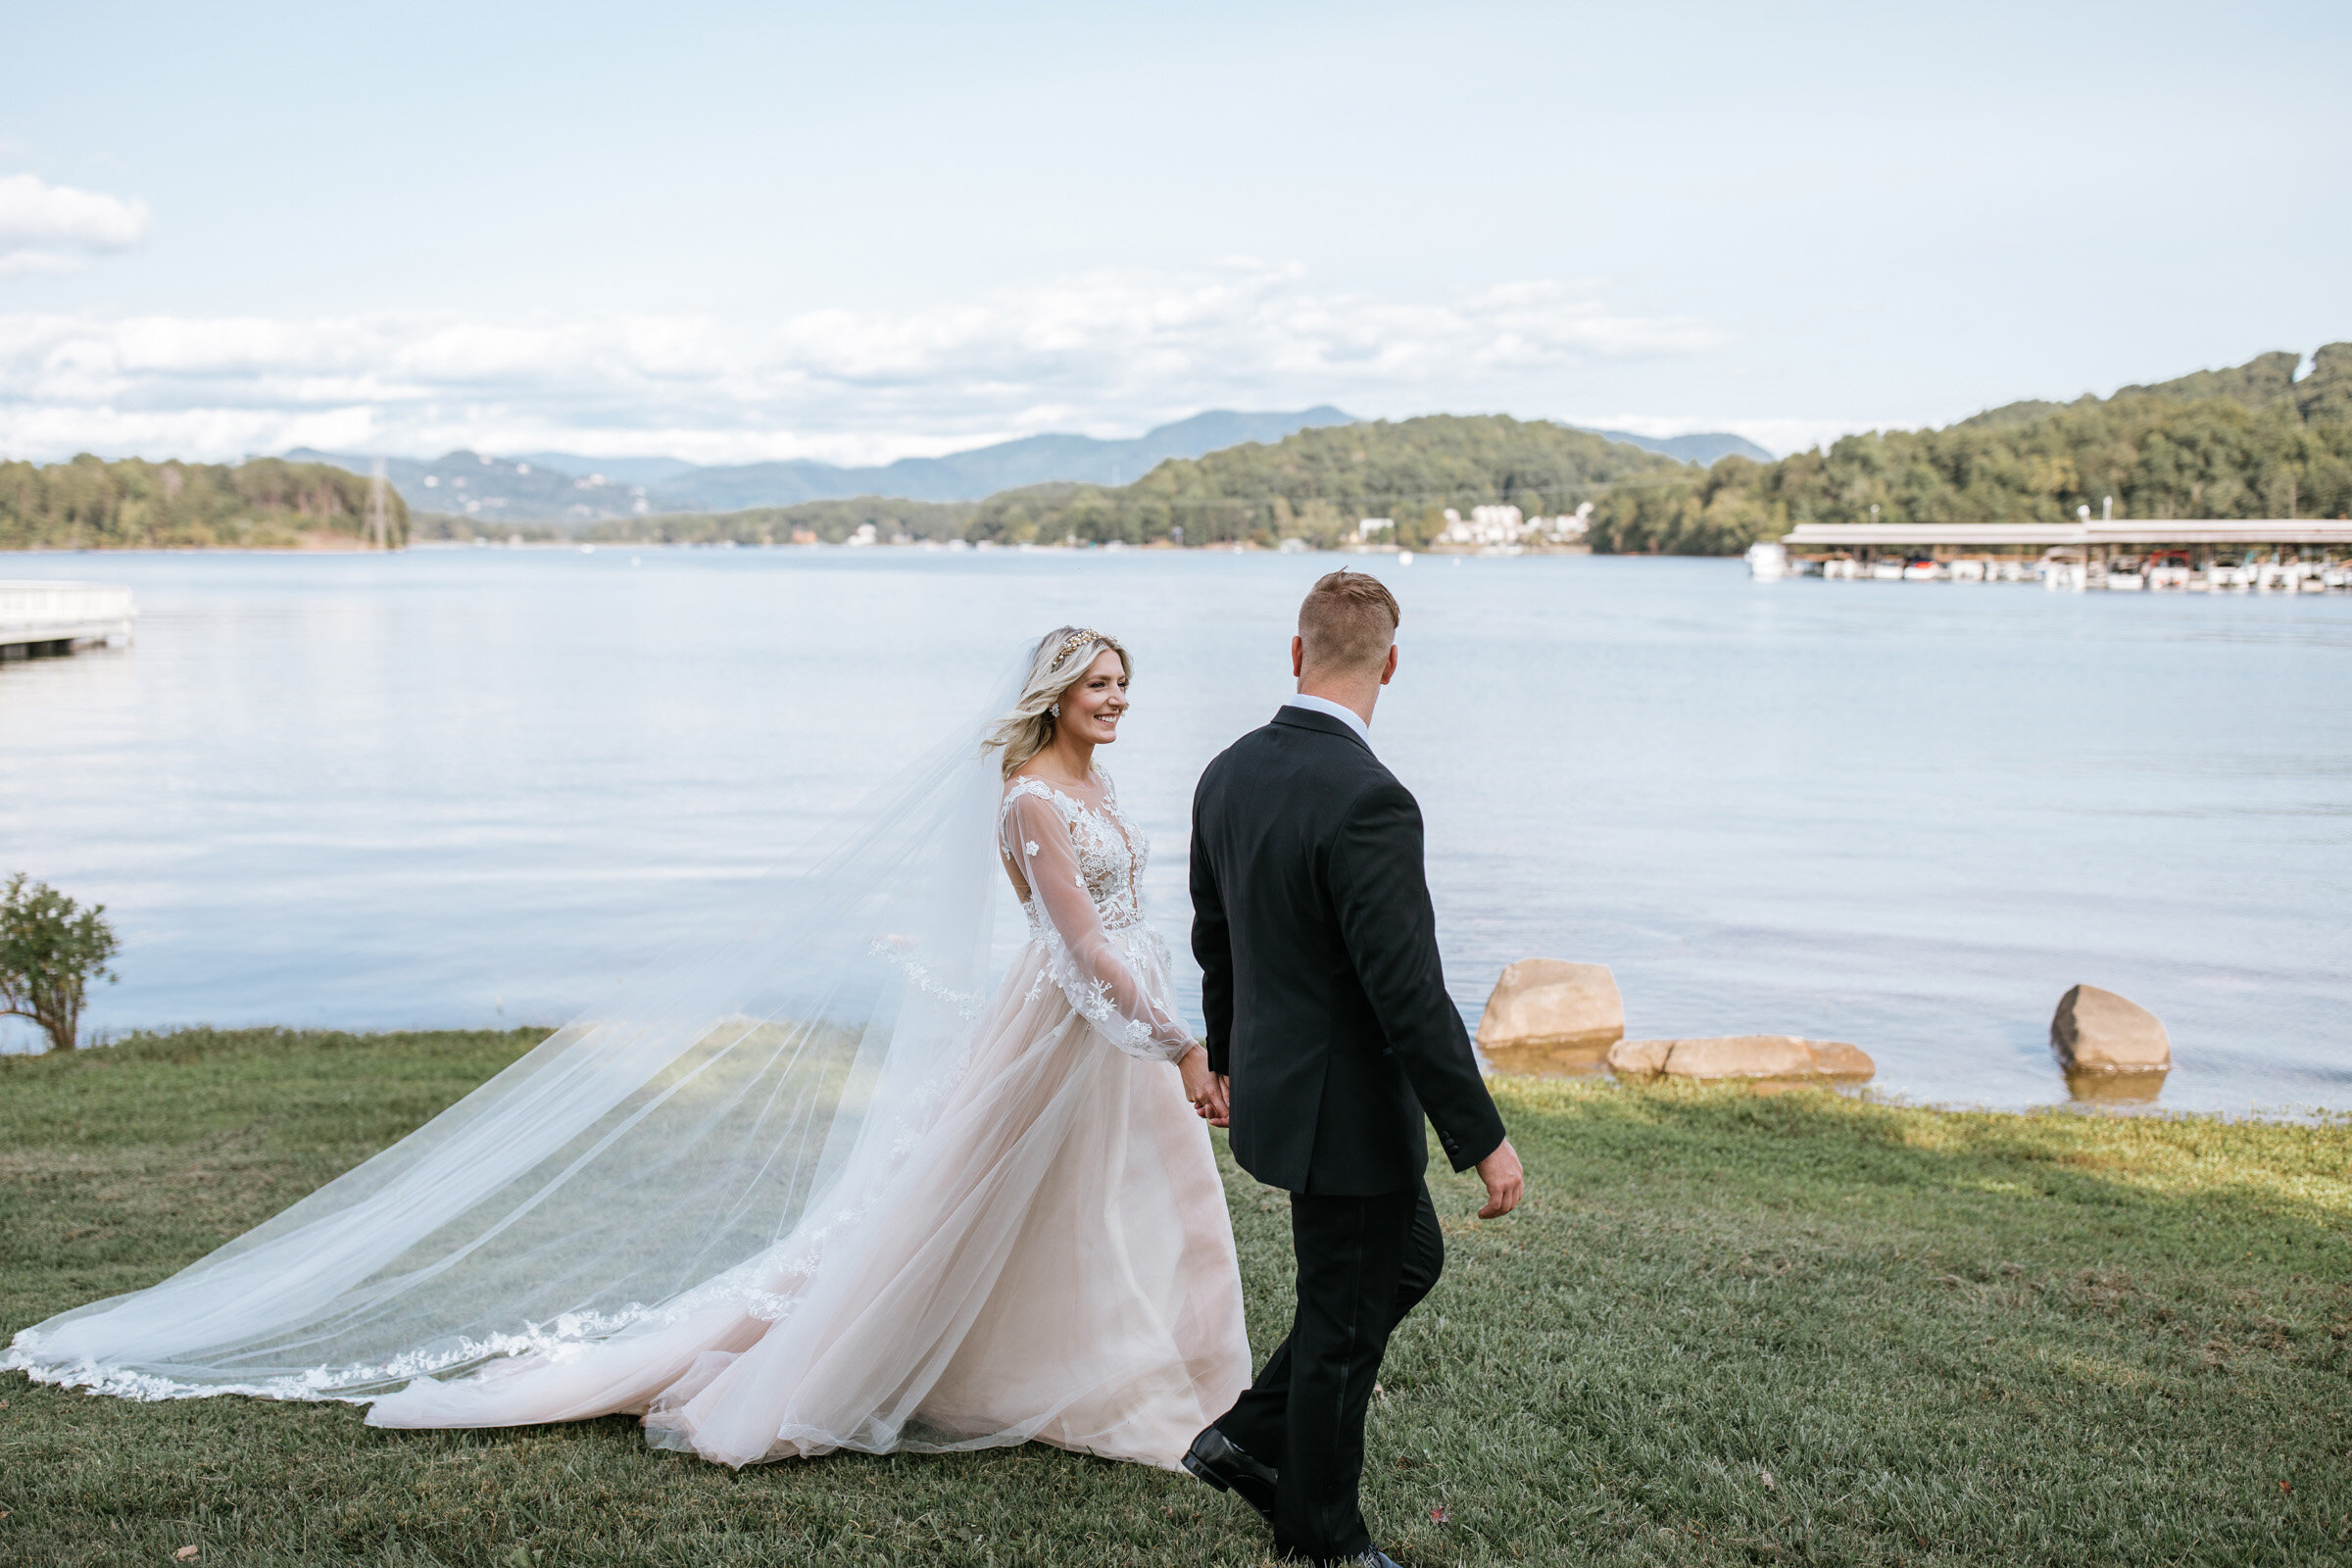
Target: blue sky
{"points": [[736, 233]]}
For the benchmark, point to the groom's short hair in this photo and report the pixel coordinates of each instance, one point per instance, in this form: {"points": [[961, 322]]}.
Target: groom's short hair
{"points": [[1347, 622]]}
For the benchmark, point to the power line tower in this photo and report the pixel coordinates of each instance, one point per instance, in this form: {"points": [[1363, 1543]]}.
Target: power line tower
{"points": [[379, 514]]}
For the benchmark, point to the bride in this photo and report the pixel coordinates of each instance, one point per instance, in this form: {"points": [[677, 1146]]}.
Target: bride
{"points": [[817, 1190]]}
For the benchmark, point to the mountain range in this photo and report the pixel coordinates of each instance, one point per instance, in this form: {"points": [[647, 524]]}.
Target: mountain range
{"points": [[567, 487]]}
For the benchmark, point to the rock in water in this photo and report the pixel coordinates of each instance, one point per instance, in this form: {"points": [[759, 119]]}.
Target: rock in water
{"points": [[1742, 1057], [1546, 1004], [2098, 1031], [1837, 1059]]}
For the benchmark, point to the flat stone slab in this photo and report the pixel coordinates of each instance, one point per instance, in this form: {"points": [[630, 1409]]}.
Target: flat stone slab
{"points": [[1551, 1005], [1742, 1057], [2098, 1031]]}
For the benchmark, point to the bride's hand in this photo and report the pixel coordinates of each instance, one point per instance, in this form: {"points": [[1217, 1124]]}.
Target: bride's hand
{"points": [[1204, 1089], [1200, 1084], [1194, 1064]]}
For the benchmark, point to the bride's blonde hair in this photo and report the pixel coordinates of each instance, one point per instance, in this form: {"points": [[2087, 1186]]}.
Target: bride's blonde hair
{"points": [[1062, 658]]}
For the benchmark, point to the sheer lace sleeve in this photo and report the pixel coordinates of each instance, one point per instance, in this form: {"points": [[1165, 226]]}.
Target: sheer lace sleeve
{"points": [[1085, 963]]}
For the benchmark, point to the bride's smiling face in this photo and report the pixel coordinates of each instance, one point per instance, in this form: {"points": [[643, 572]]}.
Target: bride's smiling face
{"points": [[1091, 708]]}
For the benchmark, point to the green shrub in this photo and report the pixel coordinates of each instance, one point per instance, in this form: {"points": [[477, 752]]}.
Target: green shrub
{"points": [[50, 949]]}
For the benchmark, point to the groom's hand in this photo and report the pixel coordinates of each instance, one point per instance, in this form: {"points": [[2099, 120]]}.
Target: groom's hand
{"points": [[1216, 1106], [1505, 1181]]}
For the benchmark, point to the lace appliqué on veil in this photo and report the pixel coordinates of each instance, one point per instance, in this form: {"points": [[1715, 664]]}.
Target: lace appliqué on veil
{"points": [[766, 1287], [351, 1385], [890, 951]]}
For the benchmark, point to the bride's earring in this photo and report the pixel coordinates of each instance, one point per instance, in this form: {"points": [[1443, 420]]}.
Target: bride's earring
{"points": [[1055, 710]]}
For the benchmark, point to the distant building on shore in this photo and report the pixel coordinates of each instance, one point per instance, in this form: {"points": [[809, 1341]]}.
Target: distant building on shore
{"points": [[1492, 527], [1485, 525]]}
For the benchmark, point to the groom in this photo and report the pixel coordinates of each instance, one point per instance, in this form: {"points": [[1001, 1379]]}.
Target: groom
{"points": [[1333, 1036]]}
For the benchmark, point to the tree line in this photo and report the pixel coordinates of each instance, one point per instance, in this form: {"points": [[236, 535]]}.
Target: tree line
{"points": [[263, 503]]}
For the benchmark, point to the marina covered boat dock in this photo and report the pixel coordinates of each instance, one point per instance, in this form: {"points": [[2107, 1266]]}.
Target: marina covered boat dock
{"points": [[2272, 554]]}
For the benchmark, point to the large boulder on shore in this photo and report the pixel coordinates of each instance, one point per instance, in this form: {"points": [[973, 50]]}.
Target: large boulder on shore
{"points": [[2098, 1031], [1546, 1004], [1742, 1057]]}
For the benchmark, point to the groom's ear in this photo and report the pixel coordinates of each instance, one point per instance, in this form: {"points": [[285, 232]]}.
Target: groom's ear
{"points": [[1388, 670], [1298, 656]]}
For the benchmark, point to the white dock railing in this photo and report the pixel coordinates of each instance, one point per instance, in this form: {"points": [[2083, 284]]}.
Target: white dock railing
{"points": [[2234, 532], [67, 613]]}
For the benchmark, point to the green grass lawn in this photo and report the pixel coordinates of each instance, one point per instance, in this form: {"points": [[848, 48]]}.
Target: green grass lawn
{"points": [[1726, 1327]]}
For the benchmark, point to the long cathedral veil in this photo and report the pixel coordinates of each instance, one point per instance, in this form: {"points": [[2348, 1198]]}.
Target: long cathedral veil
{"points": [[637, 1165]]}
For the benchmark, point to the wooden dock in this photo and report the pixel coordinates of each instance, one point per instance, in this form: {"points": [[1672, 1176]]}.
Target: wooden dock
{"points": [[42, 619]]}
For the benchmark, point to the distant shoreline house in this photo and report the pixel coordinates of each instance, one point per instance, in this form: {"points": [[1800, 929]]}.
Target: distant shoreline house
{"points": [[1506, 527]]}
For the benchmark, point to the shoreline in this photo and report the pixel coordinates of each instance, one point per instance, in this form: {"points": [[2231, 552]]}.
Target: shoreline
{"points": [[177, 1036], [916, 547]]}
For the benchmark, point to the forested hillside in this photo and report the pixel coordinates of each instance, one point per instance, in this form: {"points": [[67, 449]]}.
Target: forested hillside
{"points": [[2247, 442], [265, 502], [1315, 486]]}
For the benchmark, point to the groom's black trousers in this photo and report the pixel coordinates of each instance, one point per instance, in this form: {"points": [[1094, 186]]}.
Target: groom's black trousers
{"points": [[1363, 1263]]}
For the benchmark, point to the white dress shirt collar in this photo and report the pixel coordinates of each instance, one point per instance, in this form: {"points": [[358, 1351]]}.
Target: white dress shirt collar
{"points": [[1338, 711]]}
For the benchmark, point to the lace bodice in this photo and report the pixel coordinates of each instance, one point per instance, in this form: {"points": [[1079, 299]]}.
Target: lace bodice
{"points": [[1112, 852], [1081, 866]]}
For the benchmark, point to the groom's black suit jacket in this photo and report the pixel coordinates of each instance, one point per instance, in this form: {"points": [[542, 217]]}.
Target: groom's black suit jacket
{"points": [[1320, 979]]}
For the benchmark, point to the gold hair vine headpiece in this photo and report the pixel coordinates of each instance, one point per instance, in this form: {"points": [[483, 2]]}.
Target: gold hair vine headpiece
{"points": [[1076, 642]]}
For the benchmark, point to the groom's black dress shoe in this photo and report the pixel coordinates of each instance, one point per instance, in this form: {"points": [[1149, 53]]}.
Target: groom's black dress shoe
{"points": [[1215, 1460]]}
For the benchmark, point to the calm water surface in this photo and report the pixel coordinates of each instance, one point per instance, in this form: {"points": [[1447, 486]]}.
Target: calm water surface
{"points": [[460, 788]]}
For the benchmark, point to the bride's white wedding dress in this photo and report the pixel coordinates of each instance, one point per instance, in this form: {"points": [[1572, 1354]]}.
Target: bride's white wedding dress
{"points": [[810, 1185], [1050, 1259]]}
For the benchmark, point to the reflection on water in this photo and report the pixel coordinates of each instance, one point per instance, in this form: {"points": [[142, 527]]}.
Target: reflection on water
{"points": [[467, 787], [2116, 1087]]}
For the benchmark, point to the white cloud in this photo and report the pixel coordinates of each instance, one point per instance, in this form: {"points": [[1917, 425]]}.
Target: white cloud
{"points": [[56, 228], [1103, 351]]}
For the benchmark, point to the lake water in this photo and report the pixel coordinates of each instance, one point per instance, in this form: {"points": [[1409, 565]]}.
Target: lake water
{"points": [[467, 787]]}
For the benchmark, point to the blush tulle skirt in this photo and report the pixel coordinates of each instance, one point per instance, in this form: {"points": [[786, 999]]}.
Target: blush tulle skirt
{"points": [[1048, 1258]]}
